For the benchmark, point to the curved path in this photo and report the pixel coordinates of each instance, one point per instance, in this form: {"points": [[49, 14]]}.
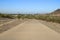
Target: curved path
{"points": [[30, 30]]}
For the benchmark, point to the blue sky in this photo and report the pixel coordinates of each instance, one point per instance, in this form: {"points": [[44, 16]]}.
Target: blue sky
{"points": [[29, 6]]}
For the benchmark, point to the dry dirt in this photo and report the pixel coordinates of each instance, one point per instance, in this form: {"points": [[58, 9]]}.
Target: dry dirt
{"points": [[30, 30]]}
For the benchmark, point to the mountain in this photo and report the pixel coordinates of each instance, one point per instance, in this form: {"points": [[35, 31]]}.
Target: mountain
{"points": [[56, 12]]}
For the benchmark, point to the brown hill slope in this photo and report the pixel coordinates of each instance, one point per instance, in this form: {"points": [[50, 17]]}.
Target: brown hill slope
{"points": [[56, 12]]}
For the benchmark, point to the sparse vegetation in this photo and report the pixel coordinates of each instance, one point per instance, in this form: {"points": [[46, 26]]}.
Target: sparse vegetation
{"points": [[6, 16], [46, 17]]}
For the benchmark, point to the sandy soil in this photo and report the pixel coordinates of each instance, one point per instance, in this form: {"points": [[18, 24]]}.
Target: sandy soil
{"points": [[8, 25], [51, 25], [30, 30], [4, 20]]}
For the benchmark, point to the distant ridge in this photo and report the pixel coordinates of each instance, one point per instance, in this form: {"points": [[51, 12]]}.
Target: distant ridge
{"points": [[56, 12]]}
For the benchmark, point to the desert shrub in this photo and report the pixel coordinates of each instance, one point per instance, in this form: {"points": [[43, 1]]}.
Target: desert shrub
{"points": [[6, 16], [48, 18]]}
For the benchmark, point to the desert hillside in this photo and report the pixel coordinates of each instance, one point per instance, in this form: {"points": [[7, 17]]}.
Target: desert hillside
{"points": [[56, 12]]}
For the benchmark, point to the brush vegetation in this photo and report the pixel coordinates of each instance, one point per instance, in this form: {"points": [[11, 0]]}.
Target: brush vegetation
{"points": [[47, 17]]}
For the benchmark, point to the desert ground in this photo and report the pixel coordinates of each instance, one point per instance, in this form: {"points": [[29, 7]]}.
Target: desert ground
{"points": [[29, 30]]}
